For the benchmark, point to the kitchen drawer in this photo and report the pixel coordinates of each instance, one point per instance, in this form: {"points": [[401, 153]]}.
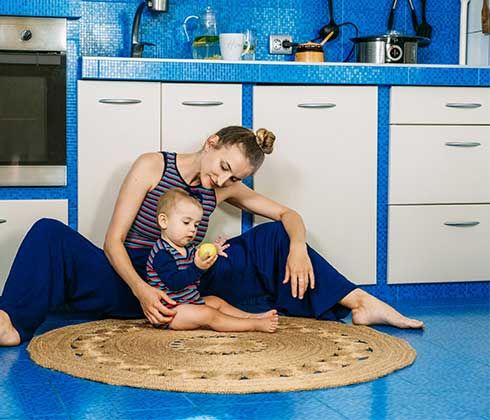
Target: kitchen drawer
{"points": [[440, 105], [439, 164], [423, 248], [193, 111]]}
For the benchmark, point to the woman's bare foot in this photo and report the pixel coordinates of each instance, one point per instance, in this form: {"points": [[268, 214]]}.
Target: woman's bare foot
{"points": [[8, 334], [268, 325], [267, 314], [369, 310]]}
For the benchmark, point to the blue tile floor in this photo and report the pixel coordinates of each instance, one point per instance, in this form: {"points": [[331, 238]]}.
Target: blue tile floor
{"points": [[449, 380]]}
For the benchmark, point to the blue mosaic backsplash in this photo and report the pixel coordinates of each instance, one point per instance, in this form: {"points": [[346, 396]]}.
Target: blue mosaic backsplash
{"points": [[106, 25]]}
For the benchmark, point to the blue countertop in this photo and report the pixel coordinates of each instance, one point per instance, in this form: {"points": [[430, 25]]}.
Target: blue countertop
{"points": [[270, 72]]}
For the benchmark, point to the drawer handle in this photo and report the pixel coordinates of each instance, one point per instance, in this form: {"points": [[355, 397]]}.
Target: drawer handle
{"points": [[317, 105], [120, 101], [463, 143], [466, 105], [202, 103], [461, 224], [3, 221]]}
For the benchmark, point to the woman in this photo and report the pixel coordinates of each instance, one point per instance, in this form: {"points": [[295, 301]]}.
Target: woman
{"points": [[55, 265]]}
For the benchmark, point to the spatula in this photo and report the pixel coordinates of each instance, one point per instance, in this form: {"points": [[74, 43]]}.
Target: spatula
{"points": [[424, 29]]}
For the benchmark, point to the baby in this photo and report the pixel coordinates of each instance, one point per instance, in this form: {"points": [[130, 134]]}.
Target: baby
{"points": [[175, 267]]}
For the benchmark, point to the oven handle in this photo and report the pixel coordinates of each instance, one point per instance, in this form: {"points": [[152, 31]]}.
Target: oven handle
{"points": [[37, 59]]}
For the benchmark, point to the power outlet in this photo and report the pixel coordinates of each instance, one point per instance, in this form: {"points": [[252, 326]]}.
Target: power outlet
{"points": [[275, 44]]}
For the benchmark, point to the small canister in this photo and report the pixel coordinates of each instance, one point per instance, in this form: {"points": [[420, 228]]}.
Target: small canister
{"points": [[309, 52]]}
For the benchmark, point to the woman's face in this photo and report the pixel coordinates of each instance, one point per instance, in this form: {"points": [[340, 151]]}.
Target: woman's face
{"points": [[223, 166]]}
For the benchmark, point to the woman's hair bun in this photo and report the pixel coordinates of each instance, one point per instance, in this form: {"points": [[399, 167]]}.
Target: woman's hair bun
{"points": [[265, 139]]}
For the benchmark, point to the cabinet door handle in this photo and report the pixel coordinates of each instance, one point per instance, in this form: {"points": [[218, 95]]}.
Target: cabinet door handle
{"points": [[317, 105], [463, 143], [462, 224], [120, 101], [202, 103], [3, 221], [466, 105]]}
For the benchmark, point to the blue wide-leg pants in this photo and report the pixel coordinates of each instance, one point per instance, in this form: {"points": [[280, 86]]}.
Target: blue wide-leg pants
{"points": [[252, 277], [56, 266]]}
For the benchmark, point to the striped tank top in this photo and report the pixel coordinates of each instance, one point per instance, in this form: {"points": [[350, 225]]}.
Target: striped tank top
{"points": [[145, 231]]}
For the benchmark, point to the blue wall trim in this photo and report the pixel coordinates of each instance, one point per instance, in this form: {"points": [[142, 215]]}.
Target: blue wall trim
{"points": [[247, 121]]}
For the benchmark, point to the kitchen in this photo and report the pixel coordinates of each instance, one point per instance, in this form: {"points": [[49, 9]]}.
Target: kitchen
{"points": [[383, 205]]}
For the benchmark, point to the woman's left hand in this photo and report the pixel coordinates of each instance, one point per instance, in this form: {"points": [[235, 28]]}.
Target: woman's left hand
{"points": [[299, 271]]}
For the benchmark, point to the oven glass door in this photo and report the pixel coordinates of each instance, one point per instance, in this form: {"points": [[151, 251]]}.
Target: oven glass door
{"points": [[32, 119]]}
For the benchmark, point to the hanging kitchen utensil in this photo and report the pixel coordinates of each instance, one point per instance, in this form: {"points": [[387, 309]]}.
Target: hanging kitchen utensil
{"points": [[391, 16], [331, 26], [425, 29], [413, 14], [485, 17]]}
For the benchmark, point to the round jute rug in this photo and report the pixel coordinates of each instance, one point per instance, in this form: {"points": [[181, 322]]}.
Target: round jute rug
{"points": [[302, 354]]}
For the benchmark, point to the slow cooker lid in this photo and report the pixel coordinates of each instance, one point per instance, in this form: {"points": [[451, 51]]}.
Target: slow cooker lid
{"points": [[392, 37]]}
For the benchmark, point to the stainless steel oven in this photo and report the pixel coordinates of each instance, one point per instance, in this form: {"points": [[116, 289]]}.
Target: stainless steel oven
{"points": [[32, 101]]}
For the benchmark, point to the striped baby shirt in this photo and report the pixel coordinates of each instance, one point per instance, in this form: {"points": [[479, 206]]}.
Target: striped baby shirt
{"points": [[176, 274]]}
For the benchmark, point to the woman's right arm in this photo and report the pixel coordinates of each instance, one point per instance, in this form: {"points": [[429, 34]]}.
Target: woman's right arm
{"points": [[142, 177]]}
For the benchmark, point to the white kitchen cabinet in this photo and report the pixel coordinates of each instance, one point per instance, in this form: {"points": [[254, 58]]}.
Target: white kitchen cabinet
{"points": [[439, 164], [439, 243], [324, 165], [117, 122], [440, 105], [16, 218], [190, 114], [439, 187]]}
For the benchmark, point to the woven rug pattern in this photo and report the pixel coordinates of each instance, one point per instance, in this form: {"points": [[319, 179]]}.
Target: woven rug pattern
{"points": [[302, 354]]}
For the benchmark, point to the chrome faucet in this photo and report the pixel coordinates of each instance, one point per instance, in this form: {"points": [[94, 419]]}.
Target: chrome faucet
{"points": [[138, 46]]}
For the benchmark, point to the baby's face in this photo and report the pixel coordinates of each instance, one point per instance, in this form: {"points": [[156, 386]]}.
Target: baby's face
{"points": [[183, 221]]}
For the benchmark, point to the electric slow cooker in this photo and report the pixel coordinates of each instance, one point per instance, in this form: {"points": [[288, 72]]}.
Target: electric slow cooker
{"points": [[392, 47]]}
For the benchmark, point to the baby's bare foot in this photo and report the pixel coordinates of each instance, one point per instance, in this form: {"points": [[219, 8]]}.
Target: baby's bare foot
{"points": [[267, 314], [268, 325], [8, 334]]}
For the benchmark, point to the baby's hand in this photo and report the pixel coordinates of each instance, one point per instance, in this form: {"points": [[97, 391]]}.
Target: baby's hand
{"points": [[221, 245], [205, 262]]}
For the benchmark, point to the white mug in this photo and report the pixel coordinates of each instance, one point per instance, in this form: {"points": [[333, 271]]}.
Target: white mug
{"points": [[231, 46]]}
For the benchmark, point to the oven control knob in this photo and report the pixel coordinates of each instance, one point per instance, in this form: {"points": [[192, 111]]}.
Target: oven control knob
{"points": [[26, 35]]}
